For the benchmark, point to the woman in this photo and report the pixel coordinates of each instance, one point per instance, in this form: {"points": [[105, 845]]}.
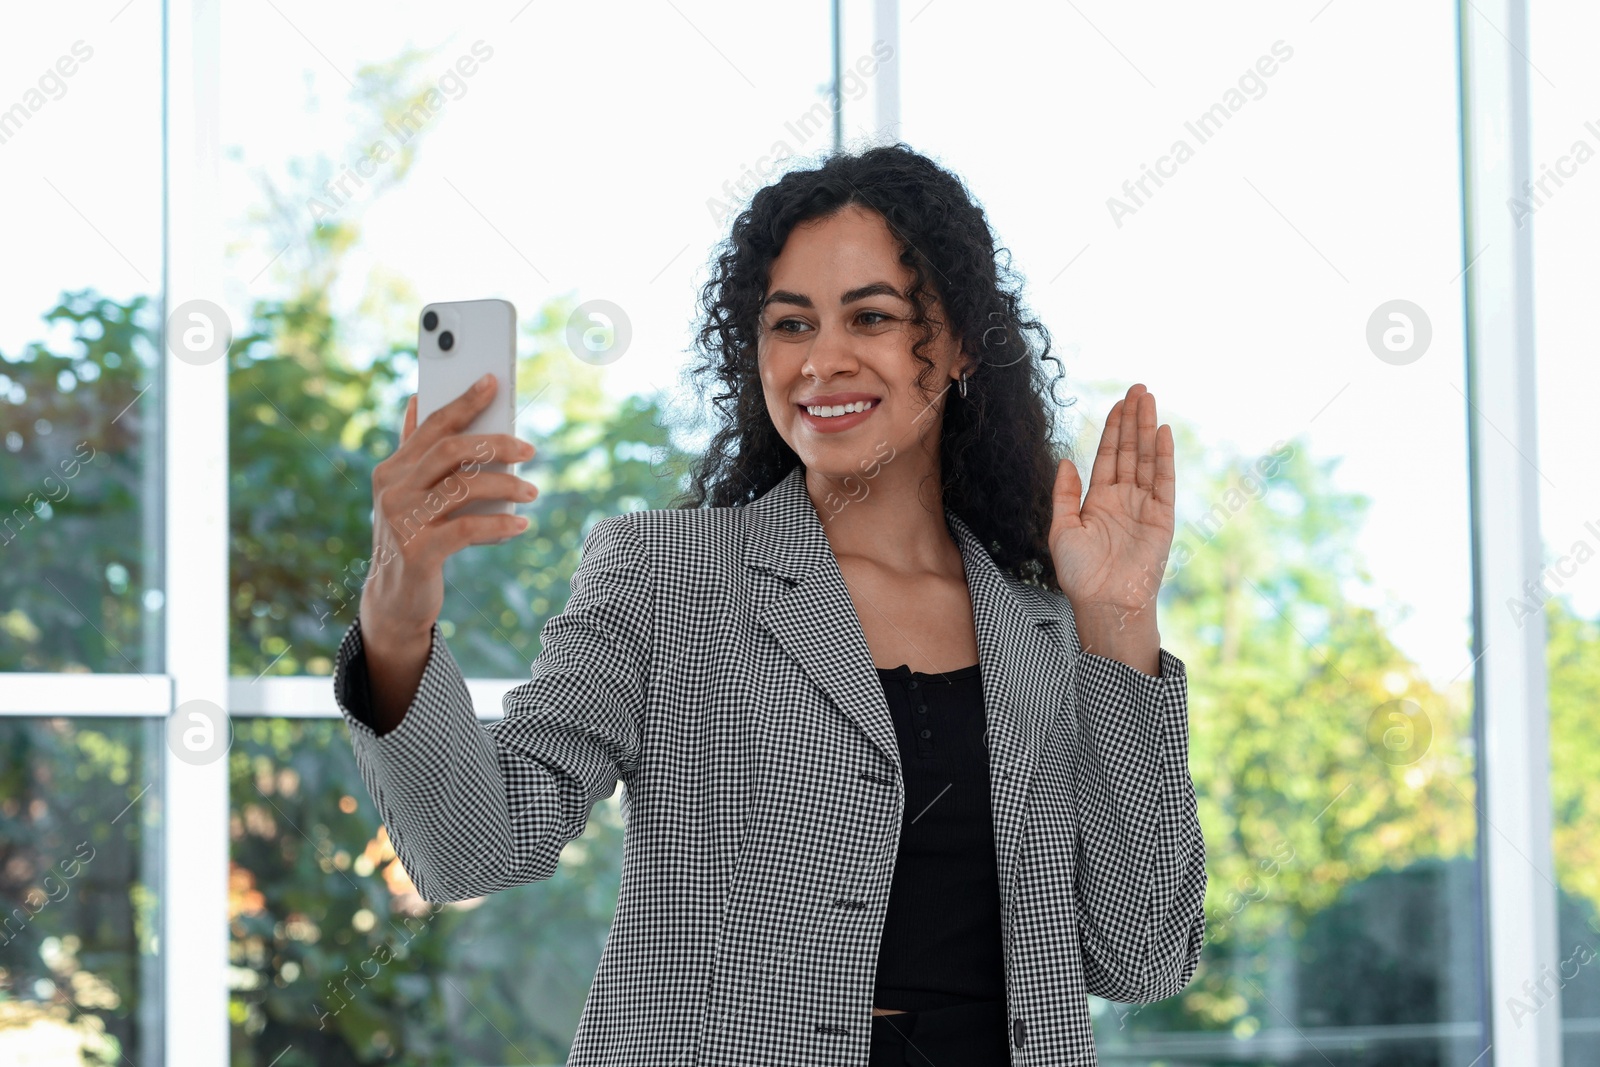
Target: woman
{"points": [[906, 767]]}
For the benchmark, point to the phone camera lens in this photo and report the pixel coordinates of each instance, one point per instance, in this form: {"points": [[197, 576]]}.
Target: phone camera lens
{"points": [[430, 321], [447, 340]]}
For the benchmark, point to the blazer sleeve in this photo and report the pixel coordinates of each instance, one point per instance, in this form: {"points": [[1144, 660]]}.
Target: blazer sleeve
{"points": [[474, 807], [1140, 875]]}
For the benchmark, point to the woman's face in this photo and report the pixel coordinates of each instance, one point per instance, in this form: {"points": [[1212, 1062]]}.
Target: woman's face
{"points": [[836, 330]]}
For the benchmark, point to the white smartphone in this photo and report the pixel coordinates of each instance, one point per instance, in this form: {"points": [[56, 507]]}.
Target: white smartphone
{"points": [[457, 343]]}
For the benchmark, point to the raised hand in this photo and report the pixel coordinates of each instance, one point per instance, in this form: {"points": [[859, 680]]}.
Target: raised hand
{"points": [[1110, 551]]}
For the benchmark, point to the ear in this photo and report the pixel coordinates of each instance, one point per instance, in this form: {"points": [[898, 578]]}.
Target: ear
{"points": [[963, 362]]}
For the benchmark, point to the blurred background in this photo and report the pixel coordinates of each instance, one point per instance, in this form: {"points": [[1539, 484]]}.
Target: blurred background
{"points": [[1260, 211]]}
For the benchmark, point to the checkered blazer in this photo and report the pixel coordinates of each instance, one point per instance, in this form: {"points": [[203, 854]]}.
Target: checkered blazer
{"points": [[712, 661]]}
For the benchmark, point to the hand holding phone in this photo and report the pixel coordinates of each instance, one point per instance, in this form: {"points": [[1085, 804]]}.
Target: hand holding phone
{"points": [[423, 498], [404, 590]]}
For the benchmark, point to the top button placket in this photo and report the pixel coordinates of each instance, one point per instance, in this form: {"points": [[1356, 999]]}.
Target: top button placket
{"points": [[922, 725]]}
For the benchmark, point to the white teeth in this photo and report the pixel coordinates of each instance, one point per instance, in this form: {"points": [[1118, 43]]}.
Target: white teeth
{"points": [[839, 409]]}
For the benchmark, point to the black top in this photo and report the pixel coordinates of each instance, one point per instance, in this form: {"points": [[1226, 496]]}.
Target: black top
{"points": [[941, 942]]}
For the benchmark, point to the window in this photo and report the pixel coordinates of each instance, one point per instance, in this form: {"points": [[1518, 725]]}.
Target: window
{"points": [[1195, 208], [225, 217], [1560, 208], [82, 590], [79, 887]]}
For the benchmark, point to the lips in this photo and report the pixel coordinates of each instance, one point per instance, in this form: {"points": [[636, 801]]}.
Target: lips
{"points": [[838, 423]]}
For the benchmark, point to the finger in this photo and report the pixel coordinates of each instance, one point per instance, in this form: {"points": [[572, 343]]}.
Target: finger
{"points": [[454, 416], [1104, 471], [487, 485], [463, 530], [1128, 436], [431, 531], [1065, 499], [463, 456], [409, 423], [1145, 473], [1166, 487]]}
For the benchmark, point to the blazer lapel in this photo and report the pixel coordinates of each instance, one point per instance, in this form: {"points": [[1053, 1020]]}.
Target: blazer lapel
{"points": [[814, 618], [1023, 651]]}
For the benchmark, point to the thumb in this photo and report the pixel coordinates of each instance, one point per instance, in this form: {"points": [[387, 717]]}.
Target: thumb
{"points": [[1065, 499], [410, 421]]}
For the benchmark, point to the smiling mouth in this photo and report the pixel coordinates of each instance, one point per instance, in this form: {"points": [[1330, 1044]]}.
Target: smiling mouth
{"points": [[836, 410]]}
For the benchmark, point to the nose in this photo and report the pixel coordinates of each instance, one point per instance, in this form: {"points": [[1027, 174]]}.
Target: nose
{"points": [[831, 353]]}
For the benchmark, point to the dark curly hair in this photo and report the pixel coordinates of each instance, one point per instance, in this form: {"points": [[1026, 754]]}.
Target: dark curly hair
{"points": [[996, 458]]}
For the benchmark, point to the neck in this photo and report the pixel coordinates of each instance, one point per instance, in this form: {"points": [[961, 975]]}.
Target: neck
{"points": [[893, 517]]}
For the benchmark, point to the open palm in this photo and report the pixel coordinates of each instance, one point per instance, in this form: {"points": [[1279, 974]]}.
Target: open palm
{"points": [[1111, 551]]}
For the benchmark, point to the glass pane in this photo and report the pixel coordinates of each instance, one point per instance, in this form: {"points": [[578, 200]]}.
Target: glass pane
{"points": [[1562, 210], [441, 154], [336, 960], [79, 464], [1194, 204], [80, 836]]}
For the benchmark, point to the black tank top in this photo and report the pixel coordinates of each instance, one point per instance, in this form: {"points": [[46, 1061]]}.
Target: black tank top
{"points": [[941, 941]]}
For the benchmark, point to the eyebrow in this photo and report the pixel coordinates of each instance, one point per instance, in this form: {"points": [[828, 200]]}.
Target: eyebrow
{"points": [[784, 296]]}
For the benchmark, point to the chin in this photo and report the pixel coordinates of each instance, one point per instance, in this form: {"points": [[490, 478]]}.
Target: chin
{"points": [[860, 460]]}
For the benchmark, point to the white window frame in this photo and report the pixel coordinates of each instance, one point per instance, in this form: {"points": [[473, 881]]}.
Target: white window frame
{"points": [[194, 437], [1512, 715]]}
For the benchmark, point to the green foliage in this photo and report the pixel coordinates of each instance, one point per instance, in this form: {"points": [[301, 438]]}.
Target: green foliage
{"points": [[77, 480], [1285, 676], [339, 961], [78, 835], [1572, 656], [303, 438]]}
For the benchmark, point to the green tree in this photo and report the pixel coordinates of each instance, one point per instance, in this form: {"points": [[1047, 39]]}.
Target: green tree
{"points": [[77, 539], [78, 858], [1291, 688], [1572, 652], [338, 961]]}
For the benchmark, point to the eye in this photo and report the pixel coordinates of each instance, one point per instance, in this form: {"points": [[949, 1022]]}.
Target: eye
{"points": [[794, 326]]}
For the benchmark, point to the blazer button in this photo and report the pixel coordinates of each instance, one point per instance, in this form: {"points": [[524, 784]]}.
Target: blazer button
{"points": [[1018, 1032]]}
